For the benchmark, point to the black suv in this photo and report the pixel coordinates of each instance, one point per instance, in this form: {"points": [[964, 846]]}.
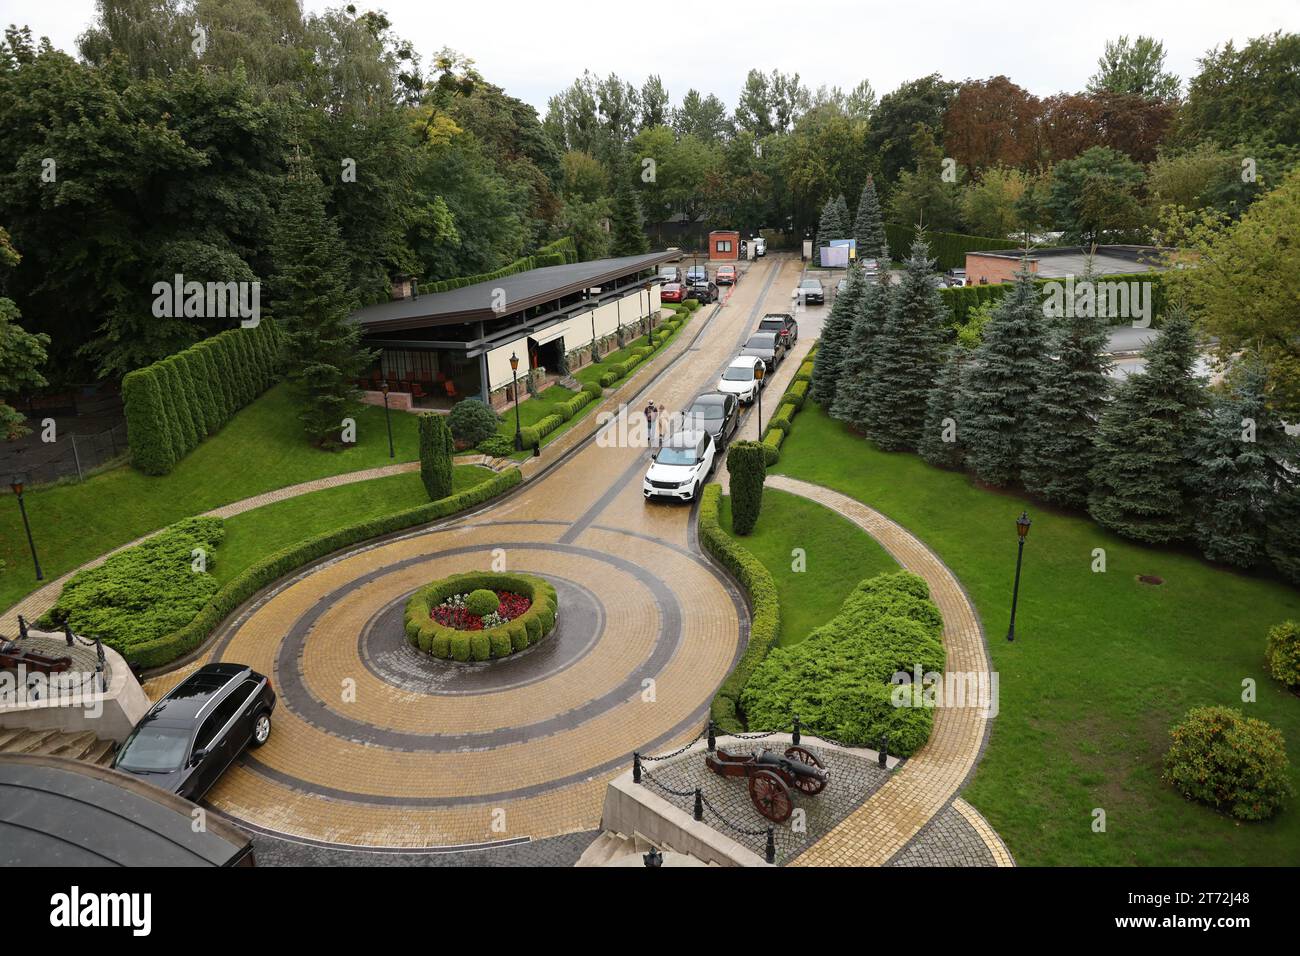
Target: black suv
{"points": [[189, 738], [702, 290], [717, 413], [783, 324]]}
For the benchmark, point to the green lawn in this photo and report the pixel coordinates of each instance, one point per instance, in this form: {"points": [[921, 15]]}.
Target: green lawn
{"points": [[837, 555], [534, 409], [1101, 667], [255, 534], [260, 449]]}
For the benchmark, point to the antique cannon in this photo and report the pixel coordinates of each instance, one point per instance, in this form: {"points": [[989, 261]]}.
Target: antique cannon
{"points": [[771, 776], [12, 657]]}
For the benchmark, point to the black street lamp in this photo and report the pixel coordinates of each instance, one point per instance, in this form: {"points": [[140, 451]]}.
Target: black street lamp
{"points": [[16, 485], [1022, 531], [595, 355], [383, 387], [759, 371], [514, 390]]}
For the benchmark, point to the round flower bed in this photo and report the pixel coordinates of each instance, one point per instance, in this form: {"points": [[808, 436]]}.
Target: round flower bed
{"points": [[452, 618]]}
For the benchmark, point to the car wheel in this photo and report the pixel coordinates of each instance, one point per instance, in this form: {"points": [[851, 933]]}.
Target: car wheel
{"points": [[695, 492], [261, 729]]}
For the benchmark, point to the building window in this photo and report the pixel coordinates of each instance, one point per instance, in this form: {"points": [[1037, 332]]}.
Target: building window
{"points": [[724, 245]]}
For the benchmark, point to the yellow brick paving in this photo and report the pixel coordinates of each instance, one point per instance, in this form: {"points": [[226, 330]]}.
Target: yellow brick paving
{"points": [[932, 776]]}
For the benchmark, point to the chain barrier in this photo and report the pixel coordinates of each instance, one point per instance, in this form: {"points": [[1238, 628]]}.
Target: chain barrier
{"points": [[680, 750], [739, 829], [645, 776]]}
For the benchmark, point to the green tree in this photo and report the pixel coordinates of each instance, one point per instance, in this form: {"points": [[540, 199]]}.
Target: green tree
{"points": [[312, 303], [21, 356], [627, 224], [1094, 197], [748, 471], [1136, 68], [833, 225], [1140, 479], [869, 310], [704, 117], [436, 450], [1246, 95], [654, 103], [893, 124], [941, 442], [990, 207], [832, 347], [923, 196]]}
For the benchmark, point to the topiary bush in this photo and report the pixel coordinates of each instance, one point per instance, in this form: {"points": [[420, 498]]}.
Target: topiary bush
{"points": [[840, 679], [472, 421], [748, 469], [482, 602], [498, 446], [1283, 653], [436, 450], [1233, 763], [772, 446]]}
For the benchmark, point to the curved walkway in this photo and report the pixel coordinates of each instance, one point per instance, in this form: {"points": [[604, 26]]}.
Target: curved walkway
{"points": [[932, 777]]}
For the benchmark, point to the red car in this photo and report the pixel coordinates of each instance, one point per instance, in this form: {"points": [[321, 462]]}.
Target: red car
{"points": [[726, 275], [672, 292]]}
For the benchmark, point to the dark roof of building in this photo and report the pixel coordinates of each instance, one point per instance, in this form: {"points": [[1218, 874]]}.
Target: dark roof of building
{"points": [[523, 290], [1059, 261], [60, 812]]}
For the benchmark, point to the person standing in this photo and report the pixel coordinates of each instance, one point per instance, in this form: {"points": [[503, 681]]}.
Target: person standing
{"points": [[652, 423]]}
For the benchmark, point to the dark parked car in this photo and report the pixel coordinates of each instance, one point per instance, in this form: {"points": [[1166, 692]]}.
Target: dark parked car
{"points": [[783, 324], [705, 292], [189, 738], [767, 346], [716, 413], [810, 291]]}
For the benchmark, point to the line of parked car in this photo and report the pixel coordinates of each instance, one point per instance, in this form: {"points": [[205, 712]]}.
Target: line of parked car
{"points": [[695, 283], [687, 457]]}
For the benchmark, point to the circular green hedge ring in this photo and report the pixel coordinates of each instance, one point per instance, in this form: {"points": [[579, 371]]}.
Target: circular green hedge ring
{"points": [[450, 643]]}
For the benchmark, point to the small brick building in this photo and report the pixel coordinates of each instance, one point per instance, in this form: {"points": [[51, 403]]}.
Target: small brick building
{"points": [[724, 244]]}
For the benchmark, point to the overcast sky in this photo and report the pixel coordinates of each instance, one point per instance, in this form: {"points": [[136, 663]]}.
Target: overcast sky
{"points": [[533, 48]]}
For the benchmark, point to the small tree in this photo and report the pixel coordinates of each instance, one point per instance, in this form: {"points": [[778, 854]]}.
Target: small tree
{"points": [[627, 224], [1231, 762], [1141, 476], [869, 226], [472, 421], [833, 225], [834, 341], [941, 443], [852, 396], [748, 471], [436, 450]]}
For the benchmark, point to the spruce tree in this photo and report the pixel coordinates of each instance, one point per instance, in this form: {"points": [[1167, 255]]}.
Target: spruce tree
{"points": [[834, 342], [869, 226], [1240, 456], [852, 398], [907, 355], [999, 384], [1139, 481], [312, 302], [1058, 451], [627, 224], [833, 225], [1283, 539], [941, 443]]}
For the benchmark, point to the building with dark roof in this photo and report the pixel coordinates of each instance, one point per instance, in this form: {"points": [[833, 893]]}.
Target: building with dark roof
{"points": [[438, 347], [1001, 265]]}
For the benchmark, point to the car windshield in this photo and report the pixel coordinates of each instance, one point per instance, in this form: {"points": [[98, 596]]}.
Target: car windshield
{"points": [[772, 324], [739, 373], [675, 456], [810, 284], [763, 341], [154, 750], [713, 410]]}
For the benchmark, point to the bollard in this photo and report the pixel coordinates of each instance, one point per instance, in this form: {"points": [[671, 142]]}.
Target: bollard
{"points": [[699, 804], [884, 749], [22, 627], [636, 768], [770, 855], [537, 450], [794, 737], [713, 741], [67, 632]]}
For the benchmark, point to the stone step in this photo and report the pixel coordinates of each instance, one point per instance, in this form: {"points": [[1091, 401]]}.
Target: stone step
{"points": [[29, 741], [571, 383], [101, 753], [73, 746]]}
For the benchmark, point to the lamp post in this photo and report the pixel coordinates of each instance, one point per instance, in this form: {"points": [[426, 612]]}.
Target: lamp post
{"points": [[383, 387], [1022, 531], [514, 391], [759, 371], [16, 485], [595, 355]]}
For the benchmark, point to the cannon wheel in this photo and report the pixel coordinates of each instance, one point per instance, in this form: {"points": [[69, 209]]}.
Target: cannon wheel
{"points": [[806, 785], [771, 796]]}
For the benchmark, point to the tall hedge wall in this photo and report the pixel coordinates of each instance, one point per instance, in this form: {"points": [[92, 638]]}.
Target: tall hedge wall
{"points": [[961, 300], [176, 402], [948, 248]]}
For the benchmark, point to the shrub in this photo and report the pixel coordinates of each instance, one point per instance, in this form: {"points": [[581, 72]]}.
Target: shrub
{"points": [[459, 644], [440, 645], [772, 446], [783, 419], [548, 424], [765, 608], [517, 634], [529, 436], [607, 379], [436, 450], [532, 632], [498, 446], [482, 602], [500, 645], [1234, 763], [480, 645], [796, 394], [144, 592], [472, 421], [691, 304], [839, 679], [1283, 653], [805, 372], [593, 389], [147, 429], [745, 462]]}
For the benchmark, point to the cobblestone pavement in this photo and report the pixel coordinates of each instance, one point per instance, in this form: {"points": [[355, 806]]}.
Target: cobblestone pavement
{"points": [[956, 836], [562, 850], [922, 789], [373, 747]]}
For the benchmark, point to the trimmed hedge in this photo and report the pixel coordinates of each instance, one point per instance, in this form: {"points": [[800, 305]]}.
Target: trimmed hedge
{"points": [[782, 419], [805, 372], [765, 607], [747, 466], [176, 402], [947, 248], [1233, 763], [472, 420], [772, 446], [252, 579], [428, 635], [436, 450], [963, 299], [797, 393]]}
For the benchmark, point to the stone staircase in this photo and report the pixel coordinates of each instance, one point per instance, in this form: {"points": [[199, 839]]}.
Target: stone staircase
{"points": [[612, 849], [571, 383], [57, 743]]}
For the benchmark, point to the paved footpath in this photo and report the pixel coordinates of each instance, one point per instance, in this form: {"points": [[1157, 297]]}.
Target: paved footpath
{"points": [[931, 778], [376, 745]]}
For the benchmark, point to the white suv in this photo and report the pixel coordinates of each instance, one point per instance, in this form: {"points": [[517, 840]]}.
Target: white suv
{"points": [[680, 466], [739, 379]]}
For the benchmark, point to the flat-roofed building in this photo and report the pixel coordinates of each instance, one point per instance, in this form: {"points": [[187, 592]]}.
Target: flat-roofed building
{"points": [[1001, 265]]}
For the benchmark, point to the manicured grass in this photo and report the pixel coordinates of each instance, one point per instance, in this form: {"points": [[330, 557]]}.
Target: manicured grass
{"points": [[837, 556], [262, 448], [1101, 667], [255, 534]]}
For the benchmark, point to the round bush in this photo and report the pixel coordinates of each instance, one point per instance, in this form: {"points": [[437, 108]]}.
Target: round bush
{"points": [[482, 602], [480, 645], [1283, 653], [471, 421], [459, 643], [519, 634], [1234, 763], [500, 642]]}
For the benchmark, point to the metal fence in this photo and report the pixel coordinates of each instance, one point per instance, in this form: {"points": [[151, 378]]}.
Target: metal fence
{"points": [[71, 456]]}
